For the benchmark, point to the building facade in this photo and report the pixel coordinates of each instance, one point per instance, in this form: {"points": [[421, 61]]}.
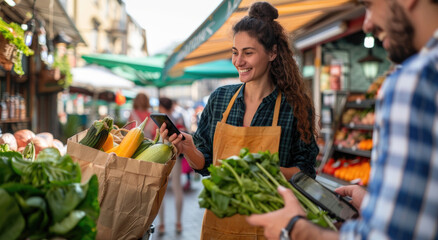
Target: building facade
{"points": [[106, 28]]}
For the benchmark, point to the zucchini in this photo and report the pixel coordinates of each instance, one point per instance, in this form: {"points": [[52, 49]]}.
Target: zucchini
{"points": [[98, 133]]}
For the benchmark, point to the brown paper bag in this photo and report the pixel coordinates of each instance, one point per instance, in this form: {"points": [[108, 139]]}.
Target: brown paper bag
{"points": [[130, 191]]}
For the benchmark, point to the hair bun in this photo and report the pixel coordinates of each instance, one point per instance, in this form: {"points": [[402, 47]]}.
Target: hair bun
{"points": [[264, 11]]}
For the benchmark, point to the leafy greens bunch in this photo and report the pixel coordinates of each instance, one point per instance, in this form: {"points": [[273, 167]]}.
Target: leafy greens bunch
{"points": [[247, 184], [43, 199]]}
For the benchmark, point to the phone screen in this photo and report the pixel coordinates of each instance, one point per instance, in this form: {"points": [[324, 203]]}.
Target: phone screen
{"points": [[324, 197], [160, 118]]}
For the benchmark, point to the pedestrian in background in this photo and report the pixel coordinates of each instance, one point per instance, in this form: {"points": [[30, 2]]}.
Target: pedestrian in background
{"points": [[141, 110], [166, 106], [402, 197]]}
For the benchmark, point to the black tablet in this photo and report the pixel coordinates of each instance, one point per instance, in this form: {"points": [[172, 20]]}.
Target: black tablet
{"points": [[333, 203], [160, 118]]}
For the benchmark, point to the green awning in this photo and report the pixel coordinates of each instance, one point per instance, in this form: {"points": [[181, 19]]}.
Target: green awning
{"points": [[216, 69], [146, 71]]}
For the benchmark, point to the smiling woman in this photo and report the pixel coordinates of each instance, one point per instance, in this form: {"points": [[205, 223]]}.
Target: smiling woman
{"points": [[271, 111]]}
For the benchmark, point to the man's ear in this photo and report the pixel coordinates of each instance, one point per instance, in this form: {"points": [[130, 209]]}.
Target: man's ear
{"points": [[273, 53]]}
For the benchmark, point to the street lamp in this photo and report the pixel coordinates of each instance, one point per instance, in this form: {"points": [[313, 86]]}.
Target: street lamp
{"points": [[370, 63]]}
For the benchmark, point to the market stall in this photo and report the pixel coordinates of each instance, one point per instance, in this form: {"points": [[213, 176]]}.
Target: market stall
{"points": [[34, 89]]}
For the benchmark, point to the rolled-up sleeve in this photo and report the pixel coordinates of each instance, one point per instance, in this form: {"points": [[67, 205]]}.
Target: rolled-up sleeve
{"points": [[203, 137]]}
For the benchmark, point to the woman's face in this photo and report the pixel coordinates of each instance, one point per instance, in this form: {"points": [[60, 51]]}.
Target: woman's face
{"points": [[250, 58]]}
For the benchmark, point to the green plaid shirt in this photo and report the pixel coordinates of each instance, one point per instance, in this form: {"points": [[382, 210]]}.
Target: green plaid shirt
{"points": [[292, 152]]}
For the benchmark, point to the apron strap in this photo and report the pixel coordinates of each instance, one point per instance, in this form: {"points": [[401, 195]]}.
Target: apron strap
{"points": [[230, 105], [276, 109], [233, 99]]}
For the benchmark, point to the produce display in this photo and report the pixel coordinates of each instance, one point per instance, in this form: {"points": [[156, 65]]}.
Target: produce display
{"points": [[353, 170], [18, 140], [247, 184], [357, 139], [374, 87], [358, 116], [42, 197]]}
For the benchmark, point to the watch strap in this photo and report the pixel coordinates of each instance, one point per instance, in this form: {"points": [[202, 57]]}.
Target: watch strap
{"points": [[292, 222]]}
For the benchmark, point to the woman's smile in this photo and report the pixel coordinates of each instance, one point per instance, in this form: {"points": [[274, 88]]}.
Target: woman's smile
{"points": [[250, 58]]}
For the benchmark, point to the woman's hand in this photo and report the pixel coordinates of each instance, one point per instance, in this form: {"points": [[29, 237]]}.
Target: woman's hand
{"points": [[176, 140], [356, 193]]}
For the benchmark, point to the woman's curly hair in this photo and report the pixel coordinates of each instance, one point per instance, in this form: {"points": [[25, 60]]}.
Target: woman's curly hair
{"points": [[284, 70]]}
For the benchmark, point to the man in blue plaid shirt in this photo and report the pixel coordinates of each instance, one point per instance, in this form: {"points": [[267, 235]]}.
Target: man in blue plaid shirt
{"points": [[402, 198]]}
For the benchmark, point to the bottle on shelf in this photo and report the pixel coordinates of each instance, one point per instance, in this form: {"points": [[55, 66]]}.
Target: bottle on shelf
{"points": [[22, 108], [17, 107], [4, 109], [11, 106]]}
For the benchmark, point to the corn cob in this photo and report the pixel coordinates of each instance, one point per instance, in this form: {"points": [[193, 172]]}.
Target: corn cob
{"points": [[159, 153], [143, 146]]}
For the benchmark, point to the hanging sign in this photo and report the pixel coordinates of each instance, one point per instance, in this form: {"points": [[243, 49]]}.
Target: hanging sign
{"points": [[202, 34]]}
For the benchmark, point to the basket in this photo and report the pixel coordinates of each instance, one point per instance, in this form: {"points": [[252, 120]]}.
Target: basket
{"points": [[50, 75], [7, 51]]}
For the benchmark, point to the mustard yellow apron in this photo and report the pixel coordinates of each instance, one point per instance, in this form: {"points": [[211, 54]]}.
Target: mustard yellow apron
{"points": [[228, 140]]}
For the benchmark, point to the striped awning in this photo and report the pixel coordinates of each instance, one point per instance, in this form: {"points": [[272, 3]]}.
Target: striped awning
{"points": [[213, 38]]}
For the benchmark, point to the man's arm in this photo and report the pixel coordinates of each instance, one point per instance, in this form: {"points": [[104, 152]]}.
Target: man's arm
{"points": [[274, 222], [305, 230]]}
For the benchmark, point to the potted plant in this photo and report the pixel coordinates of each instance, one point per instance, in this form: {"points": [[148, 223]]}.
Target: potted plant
{"points": [[62, 64], [12, 46]]}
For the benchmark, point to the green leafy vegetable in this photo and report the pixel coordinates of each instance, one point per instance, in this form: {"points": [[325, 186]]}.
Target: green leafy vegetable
{"points": [[247, 184], [7, 174], [4, 148], [43, 199], [11, 221]]}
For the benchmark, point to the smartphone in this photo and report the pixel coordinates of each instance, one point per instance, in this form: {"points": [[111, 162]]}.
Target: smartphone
{"points": [[333, 203], [160, 118]]}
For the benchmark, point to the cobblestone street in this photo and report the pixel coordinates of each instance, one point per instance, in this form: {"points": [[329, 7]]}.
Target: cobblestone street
{"points": [[191, 215]]}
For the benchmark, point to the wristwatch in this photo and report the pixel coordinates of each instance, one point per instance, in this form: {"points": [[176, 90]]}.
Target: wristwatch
{"points": [[285, 232]]}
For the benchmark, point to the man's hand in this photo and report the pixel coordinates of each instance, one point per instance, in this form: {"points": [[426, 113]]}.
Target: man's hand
{"points": [[273, 222], [356, 193]]}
